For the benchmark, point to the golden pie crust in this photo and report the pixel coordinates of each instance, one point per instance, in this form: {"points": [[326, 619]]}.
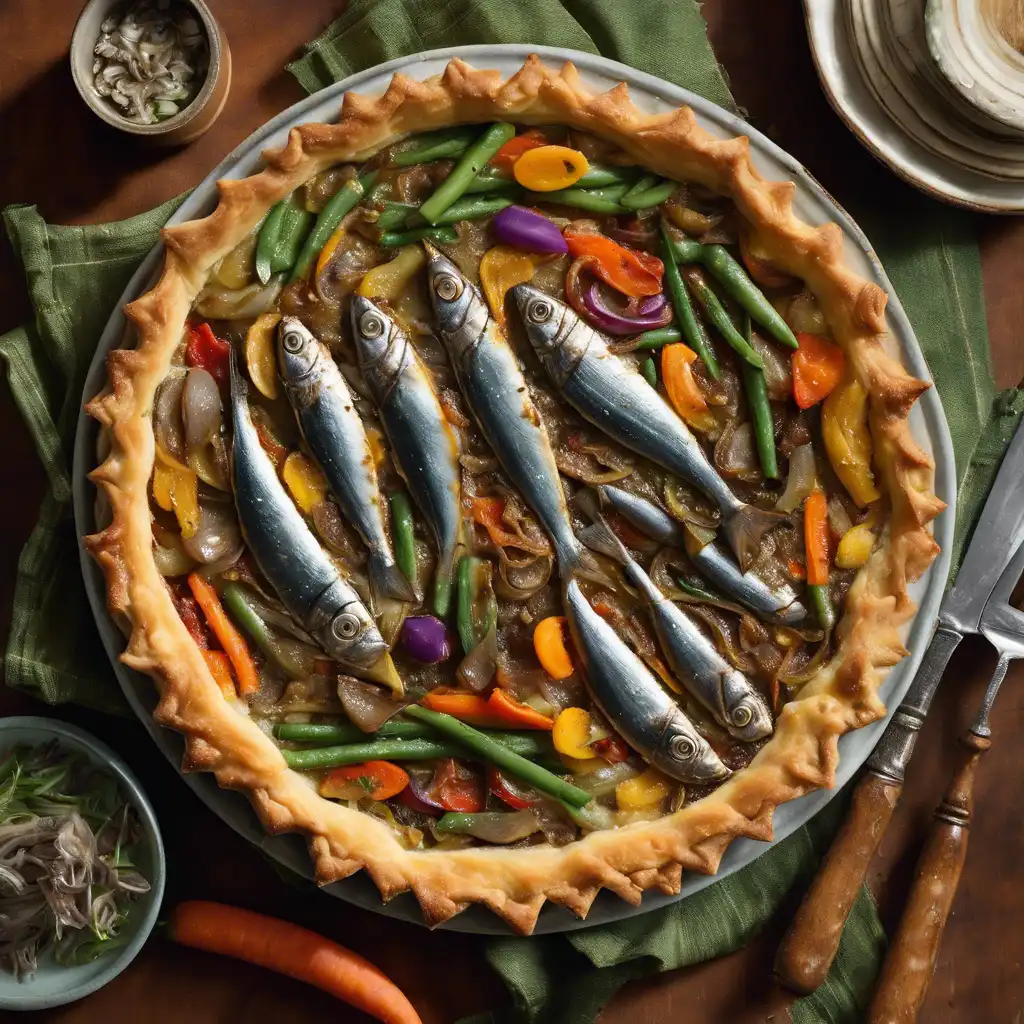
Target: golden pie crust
{"points": [[221, 737]]}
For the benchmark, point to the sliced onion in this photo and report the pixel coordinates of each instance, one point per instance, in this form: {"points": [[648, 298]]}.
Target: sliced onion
{"points": [[368, 706], [586, 461], [334, 533], [167, 422], [800, 480], [590, 302], [838, 518], [170, 555], [518, 581], [420, 780], [201, 408], [477, 464], [218, 536], [219, 303], [557, 829], [502, 826], [637, 233], [687, 505], [803, 313], [604, 780], [736, 454], [527, 229], [477, 668], [778, 374], [521, 679], [562, 693]]}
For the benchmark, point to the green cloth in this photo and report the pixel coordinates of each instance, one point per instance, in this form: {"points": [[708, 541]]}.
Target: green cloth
{"points": [[76, 274]]}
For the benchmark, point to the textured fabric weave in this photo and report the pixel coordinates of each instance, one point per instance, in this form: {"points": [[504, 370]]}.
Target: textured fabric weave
{"points": [[75, 276]]}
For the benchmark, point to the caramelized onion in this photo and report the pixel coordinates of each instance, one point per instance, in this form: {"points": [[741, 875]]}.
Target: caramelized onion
{"points": [[778, 374], [803, 313], [170, 555], [800, 480], [519, 581], [218, 537], [735, 453], [583, 460], [477, 669], [368, 706], [167, 421], [219, 303], [334, 533], [687, 505], [201, 408]]}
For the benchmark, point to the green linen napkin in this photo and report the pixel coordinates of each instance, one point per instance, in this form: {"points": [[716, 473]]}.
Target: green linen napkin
{"points": [[75, 276]]}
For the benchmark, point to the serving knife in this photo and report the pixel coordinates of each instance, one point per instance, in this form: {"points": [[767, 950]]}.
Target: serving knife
{"points": [[810, 945]]}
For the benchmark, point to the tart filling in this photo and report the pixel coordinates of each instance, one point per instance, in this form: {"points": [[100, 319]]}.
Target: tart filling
{"points": [[530, 502]]}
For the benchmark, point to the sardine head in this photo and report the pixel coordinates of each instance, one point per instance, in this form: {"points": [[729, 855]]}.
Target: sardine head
{"points": [[684, 754], [298, 351], [450, 293], [541, 315], [371, 329], [749, 718], [353, 638]]}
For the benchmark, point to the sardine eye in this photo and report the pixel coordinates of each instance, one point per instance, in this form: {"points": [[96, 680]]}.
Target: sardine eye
{"points": [[683, 748], [293, 342], [447, 287], [371, 325], [539, 311], [345, 626], [742, 716]]}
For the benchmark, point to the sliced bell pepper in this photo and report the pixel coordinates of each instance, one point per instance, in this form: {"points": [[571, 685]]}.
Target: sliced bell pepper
{"points": [[188, 611], [260, 358], [550, 168], [816, 537], [552, 651], [612, 749], [389, 280], [176, 489], [844, 429], [457, 788], [506, 157], [683, 390], [220, 668], [502, 268], [633, 273], [329, 249], [304, 481], [378, 780], [466, 707], [644, 792], [227, 635], [855, 547], [490, 514], [818, 366], [205, 349], [571, 734], [505, 790], [514, 714]]}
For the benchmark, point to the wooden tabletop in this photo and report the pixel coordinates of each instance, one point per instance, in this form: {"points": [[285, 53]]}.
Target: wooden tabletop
{"points": [[77, 170]]}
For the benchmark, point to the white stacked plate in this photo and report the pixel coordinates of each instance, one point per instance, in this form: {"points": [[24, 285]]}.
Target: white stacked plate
{"points": [[932, 88]]}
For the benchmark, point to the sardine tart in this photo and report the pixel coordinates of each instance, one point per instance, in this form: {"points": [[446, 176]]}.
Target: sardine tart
{"points": [[631, 699]]}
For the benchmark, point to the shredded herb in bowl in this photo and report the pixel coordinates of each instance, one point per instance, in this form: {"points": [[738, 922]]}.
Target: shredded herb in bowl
{"points": [[67, 876]]}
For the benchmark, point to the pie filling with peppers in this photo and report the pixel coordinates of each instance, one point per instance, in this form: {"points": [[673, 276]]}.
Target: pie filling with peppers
{"points": [[536, 480]]}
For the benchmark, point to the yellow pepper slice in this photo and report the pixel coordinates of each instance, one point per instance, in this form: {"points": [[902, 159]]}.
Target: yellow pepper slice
{"points": [[304, 480], [328, 250], [844, 429], [855, 547], [501, 268], [643, 792], [571, 734], [389, 280], [548, 168], [176, 488], [260, 357]]}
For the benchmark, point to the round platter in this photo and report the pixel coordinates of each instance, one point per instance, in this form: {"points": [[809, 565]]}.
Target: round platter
{"points": [[810, 203]]}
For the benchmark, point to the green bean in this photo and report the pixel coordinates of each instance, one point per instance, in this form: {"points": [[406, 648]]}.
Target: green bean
{"points": [[642, 184], [686, 250], [493, 751], [690, 327], [649, 371], [720, 318], [464, 603], [469, 166], [698, 592], [295, 224], [595, 200], [490, 179], [324, 733], [236, 602], [472, 627], [600, 175], [266, 241], [756, 388], [397, 749], [653, 196], [821, 601], [658, 338], [443, 236], [394, 215], [344, 200], [735, 280], [468, 208], [434, 146], [405, 541]]}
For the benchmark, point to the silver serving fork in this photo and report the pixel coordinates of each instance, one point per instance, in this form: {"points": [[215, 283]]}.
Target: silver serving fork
{"points": [[910, 961]]}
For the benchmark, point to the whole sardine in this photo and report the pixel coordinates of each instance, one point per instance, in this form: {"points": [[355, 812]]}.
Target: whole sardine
{"points": [[287, 552], [496, 391], [336, 439], [423, 444], [722, 689], [778, 604], [634, 701], [615, 397]]}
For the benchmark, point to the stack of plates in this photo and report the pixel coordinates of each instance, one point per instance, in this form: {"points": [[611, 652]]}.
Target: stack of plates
{"points": [[943, 75]]}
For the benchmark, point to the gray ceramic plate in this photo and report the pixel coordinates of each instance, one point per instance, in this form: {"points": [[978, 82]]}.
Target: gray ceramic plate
{"points": [[811, 203], [54, 985]]}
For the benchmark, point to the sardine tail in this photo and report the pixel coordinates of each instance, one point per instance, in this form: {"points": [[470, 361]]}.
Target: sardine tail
{"points": [[746, 529], [387, 580], [599, 537], [578, 561]]}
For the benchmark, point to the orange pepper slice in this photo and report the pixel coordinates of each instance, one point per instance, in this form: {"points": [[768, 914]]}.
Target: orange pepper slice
{"points": [[466, 707], [683, 390], [816, 537], [549, 168], [818, 366], [552, 650], [511, 712], [635, 274], [506, 157]]}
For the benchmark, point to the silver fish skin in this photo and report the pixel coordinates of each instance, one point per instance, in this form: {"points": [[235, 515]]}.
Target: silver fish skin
{"points": [[493, 384], [336, 438], [423, 443], [777, 604], [615, 398], [633, 701], [287, 552], [722, 689]]}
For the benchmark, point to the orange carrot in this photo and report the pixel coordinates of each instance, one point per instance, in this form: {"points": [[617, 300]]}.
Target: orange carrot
{"points": [[378, 780], [816, 537], [512, 712], [229, 637], [220, 668], [292, 951], [818, 366], [552, 652], [466, 707]]}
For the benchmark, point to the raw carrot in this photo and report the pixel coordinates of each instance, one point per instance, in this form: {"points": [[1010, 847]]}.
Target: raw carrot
{"points": [[293, 951], [224, 630], [220, 668]]}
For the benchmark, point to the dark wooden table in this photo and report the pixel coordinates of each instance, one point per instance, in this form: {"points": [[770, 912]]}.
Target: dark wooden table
{"points": [[59, 156]]}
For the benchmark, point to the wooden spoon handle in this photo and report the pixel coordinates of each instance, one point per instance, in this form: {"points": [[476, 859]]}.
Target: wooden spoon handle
{"points": [[810, 945], [910, 961]]}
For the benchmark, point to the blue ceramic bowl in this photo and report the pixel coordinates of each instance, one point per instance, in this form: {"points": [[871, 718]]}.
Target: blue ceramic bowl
{"points": [[54, 985]]}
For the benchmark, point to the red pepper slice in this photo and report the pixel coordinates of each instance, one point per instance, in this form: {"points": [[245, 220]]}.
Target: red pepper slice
{"points": [[516, 147], [818, 366], [188, 611], [612, 749], [629, 271], [506, 791], [205, 349], [457, 788]]}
